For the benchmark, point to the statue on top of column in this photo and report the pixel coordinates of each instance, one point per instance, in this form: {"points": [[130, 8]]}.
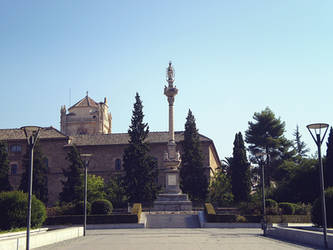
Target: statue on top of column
{"points": [[170, 75]]}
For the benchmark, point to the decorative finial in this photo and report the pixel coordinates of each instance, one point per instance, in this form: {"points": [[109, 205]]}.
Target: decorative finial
{"points": [[87, 93]]}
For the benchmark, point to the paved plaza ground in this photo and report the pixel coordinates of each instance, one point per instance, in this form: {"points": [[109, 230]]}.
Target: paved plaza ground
{"points": [[174, 239]]}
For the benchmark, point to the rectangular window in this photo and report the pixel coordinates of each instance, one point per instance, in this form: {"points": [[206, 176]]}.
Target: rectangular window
{"points": [[15, 148], [13, 169], [118, 164]]}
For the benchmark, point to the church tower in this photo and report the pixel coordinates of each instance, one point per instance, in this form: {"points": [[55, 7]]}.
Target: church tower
{"points": [[86, 117]]}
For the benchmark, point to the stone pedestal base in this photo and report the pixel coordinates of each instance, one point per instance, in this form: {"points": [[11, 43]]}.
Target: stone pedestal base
{"points": [[172, 202]]}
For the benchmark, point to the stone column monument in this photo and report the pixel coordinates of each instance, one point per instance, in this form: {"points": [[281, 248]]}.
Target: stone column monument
{"points": [[172, 198], [171, 157]]}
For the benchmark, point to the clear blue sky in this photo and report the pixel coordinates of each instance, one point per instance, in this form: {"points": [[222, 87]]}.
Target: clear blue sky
{"points": [[232, 58]]}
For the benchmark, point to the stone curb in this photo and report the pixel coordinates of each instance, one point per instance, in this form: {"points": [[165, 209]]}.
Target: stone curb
{"points": [[40, 239], [300, 235]]}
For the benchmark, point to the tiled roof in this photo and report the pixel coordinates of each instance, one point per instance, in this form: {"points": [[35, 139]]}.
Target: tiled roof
{"points": [[18, 134], [85, 102], [122, 138]]}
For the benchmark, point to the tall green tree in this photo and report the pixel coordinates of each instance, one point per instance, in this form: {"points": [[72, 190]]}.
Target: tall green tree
{"points": [[39, 179], [4, 168], [193, 176], [240, 173], [299, 145], [265, 137], [140, 167], [72, 185], [328, 167]]}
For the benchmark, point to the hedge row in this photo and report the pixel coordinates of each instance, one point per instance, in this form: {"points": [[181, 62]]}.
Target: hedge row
{"points": [[232, 218], [288, 218], [92, 219], [286, 208], [211, 216]]}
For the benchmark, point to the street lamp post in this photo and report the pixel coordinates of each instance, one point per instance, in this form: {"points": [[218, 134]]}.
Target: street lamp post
{"points": [[317, 127], [31, 133], [85, 158], [264, 223]]}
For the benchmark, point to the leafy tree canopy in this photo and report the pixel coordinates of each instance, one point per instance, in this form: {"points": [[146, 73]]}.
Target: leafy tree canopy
{"points": [[220, 190], [265, 137], [300, 182], [115, 192], [95, 188]]}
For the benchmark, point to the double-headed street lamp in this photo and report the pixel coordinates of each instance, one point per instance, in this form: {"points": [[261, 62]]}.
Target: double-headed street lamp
{"points": [[85, 159], [31, 133], [317, 128]]}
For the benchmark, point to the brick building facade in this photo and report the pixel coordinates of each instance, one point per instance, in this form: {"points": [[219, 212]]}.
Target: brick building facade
{"points": [[88, 125]]}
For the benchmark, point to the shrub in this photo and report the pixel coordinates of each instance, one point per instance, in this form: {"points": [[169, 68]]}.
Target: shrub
{"points": [[78, 208], [209, 209], [302, 209], [13, 207], [316, 212], [53, 211], [271, 203], [65, 209], [240, 218], [101, 206], [272, 207], [287, 208], [253, 208]]}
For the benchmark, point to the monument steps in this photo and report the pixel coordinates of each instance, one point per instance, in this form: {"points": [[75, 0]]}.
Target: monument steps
{"points": [[172, 202], [181, 220]]}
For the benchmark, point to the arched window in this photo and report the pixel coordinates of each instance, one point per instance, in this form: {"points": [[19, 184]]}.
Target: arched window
{"points": [[117, 164]]}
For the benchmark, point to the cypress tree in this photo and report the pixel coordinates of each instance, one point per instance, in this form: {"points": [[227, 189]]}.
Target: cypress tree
{"points": [[193, 179], [328, 167], [39, 179], [71, 190], [4, 168], [240, 171], [140, 168]]}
